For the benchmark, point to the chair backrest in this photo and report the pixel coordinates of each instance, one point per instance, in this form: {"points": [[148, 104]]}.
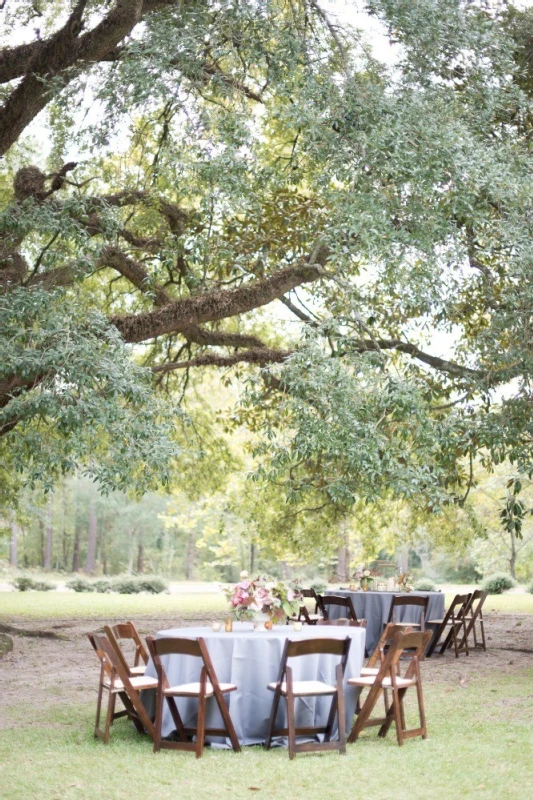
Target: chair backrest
{"points": [[170, 645], [414, 643], [390, 630], [464, 603], [337, 600], [105, 662], [128, 631], [480, 596], [310, 593], [343, 621], [399, 600], [306, 647]]}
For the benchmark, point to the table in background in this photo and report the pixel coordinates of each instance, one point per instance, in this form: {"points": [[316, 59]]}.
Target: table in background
{"points": [[375, 608], [251, 660]]}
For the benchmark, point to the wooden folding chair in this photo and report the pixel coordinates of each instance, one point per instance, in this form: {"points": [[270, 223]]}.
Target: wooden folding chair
{"points": [[128, 631], [328, 600], [402, 600], [452, 626], [208, 686], [373, 665], [290, 689], [473, 616], [388, 679], [343, 621], [111, 681], [306, 616]]}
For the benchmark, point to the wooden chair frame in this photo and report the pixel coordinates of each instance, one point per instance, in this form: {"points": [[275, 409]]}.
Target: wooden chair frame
{"points": [[197, 649], [118, 682], [410, 600], [337, 600], [416, 643], [451, 624], [303, 614], [296, 649], [473, 615], [127, 630]]}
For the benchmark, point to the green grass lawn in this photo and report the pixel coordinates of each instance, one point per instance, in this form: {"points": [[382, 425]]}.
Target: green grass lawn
{"points": [[62, 605], [480, 745]]}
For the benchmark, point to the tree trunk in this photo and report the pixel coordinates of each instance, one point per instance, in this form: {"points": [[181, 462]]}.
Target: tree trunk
{"points": [[76, 548], [13, 556], [140, 555], [191, 548], [41, 542], [512, 557], [252, 557], [49, 535], [91, 545]]}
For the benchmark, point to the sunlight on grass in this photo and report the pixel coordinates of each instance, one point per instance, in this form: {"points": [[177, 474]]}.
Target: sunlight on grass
{"points": [[67, 605]]}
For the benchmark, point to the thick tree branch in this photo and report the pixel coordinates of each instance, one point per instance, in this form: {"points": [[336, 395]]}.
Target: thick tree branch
{"points": [[60, 59], [261, 356], [217, 305]]}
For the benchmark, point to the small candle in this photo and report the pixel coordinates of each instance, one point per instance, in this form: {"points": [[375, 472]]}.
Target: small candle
{"points": [[216, 626], [228, 625], [297, 626]]}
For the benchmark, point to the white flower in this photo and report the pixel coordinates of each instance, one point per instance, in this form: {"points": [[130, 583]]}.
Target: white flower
{"points": [[366, 573], [244, 574], [269, 586]]}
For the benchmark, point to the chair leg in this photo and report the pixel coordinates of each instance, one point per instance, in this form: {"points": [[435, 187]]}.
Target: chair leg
{"points": [[291, 724], [273, 715], [158, 721], [482, 631], [364, 714], [341, 711], [397, 716], [98, 710], [421, 709], [200, 729], [109, 716], [228, 722], [177, 719]]}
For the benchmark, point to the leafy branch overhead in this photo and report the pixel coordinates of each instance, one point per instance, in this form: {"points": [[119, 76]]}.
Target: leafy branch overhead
{"points": [[206, 163]]}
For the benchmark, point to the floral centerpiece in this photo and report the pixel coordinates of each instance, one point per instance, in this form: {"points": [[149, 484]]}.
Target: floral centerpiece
{"points": [[365, 576], [263, 595], [405, 582]]}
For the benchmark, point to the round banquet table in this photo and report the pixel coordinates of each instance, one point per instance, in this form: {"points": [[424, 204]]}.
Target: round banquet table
{"points": [[375, 608], [251, 660]]}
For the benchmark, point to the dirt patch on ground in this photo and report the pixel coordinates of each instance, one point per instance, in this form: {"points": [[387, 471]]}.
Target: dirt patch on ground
{"points": [[51, 671]]}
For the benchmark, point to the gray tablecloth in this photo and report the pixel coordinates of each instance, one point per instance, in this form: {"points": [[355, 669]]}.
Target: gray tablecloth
{"points": [[251, 659], [375, 607]]}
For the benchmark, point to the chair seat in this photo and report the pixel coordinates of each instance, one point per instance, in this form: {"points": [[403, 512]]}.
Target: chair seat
{"points": [[386, 683], [138, 682], [369, 671], [193, 689], [304, 688], [140, 670]]}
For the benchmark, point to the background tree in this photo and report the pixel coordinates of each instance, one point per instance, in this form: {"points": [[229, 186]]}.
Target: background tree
{"points": [[240, 152]]}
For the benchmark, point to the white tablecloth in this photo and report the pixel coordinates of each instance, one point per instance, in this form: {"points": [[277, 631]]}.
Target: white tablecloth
{"points": [[251, 659], [375, 608]]}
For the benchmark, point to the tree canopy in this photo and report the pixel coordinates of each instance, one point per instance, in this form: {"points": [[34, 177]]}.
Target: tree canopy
{"points": [[173, 168]]}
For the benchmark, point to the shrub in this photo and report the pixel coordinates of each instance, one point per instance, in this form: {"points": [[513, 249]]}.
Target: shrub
{"points": [[153, 584], [530, 588], [425, 585], [80, 585], [103, 585], [498, 583], [134, 585], [23, 584], [26, 584]]}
